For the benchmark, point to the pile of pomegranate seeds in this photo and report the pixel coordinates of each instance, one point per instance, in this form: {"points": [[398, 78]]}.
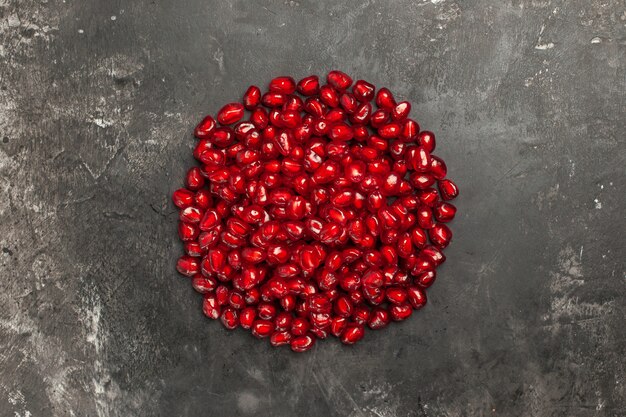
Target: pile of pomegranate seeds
{"points": [[321, 215]]}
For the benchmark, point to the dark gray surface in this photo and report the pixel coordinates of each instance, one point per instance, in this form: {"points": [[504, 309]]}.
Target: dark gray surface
{"points": [[97, 103]]}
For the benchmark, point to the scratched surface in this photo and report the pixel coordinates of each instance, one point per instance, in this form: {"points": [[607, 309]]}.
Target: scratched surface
{"points": [[97, 102]]}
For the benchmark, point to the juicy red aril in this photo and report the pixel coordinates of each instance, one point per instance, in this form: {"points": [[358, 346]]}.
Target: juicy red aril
{"points": [[340, 80], [448, 189], [205, 127], [302, 343], [322, 213], [352, 334], [363, 91], [252, 97], [285, 85], [230, 113], [309, 86], [262, 328]]}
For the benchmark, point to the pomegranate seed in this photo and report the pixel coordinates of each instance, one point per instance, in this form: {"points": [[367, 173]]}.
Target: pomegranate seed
{"points": [[417, 297], [318, 216], [252, 97], [188, 265], [400, 312], [280, 338], [262, 328], [210, 307], [448, 189], [363, 91], [329, 96], [401, 111], [285, 85], [340, 80], [302, 343], [187, 231], [384, 99], [183, 198], [230, 318], [309, 86], [444, 212], [378, 319], [230, 113], [205, 128], [440, 235], [352, 334], [426, 139]]}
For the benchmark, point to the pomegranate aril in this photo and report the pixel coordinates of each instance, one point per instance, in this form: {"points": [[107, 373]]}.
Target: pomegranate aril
{"points": [[230, 318], [438, 168], [363, 91], [440, 235], [340, 80], [385, 99], [352, 334], [202, 284], [187, 231], [280, 338], [190, 215], [273, 100], [401, 111], [183, 198], [444, 212], [329, 96], [417, 297], [309, 86], [210, 307], [262, 328], [230, 113], [188, 265], [400, 312], [448, 189], [410, 130], [426, 139], [378, 319], [302, 343], [252, 97], [204, 129], [285, 85]]}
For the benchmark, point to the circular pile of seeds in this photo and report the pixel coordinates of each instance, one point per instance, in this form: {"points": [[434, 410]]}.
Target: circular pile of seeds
{"points": [[322, 214]]}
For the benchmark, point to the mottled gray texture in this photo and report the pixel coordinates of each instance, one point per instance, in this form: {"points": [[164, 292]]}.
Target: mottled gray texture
{"points": [[97, 103]]}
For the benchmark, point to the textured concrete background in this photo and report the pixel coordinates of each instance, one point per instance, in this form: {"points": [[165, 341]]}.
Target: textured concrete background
{"points": [[97, 103]]}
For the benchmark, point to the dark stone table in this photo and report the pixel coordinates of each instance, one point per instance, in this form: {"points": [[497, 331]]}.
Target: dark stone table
{"points": [[97, 103]]}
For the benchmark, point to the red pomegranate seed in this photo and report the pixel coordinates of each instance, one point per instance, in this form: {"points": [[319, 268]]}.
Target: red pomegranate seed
{"points": [[440, 235], [252, 97], [385, 99], [280, 338], [285, 85], [230, 113], [230, 318], [329, 96], [448, 189], [378, 319], [352, 334], [318, 216], [340, 80], [309, 86], [204, 129], [426, 139], [302, 343], [183, 198], [262, 328], [210, 307], [363, 91], [444, 212]]}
